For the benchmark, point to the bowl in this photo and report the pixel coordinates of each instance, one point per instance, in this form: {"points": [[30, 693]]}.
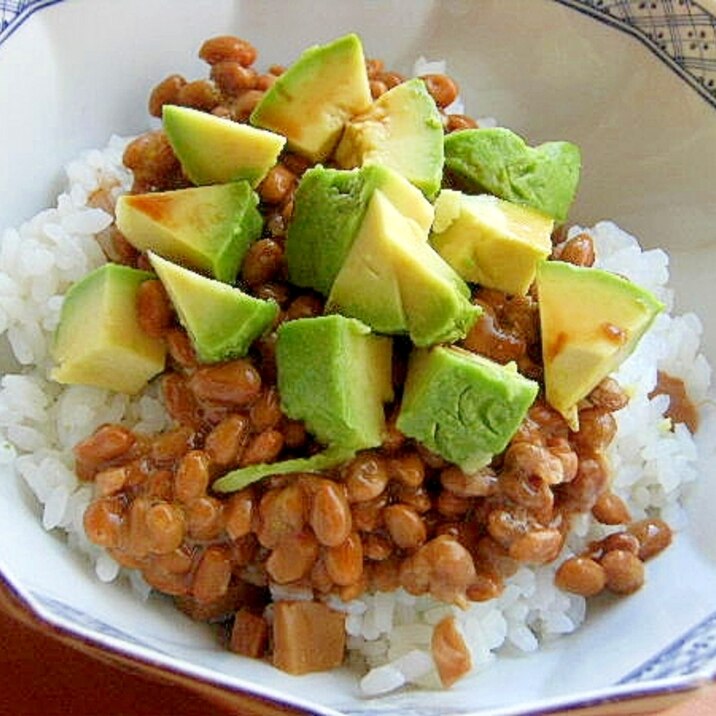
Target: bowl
{"points": [[633, 84]]}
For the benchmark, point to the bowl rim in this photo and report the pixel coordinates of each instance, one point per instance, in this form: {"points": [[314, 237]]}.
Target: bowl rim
{"points": [[635, 686], [16, 14], [678, 58], [22, 605], [615, 15]]}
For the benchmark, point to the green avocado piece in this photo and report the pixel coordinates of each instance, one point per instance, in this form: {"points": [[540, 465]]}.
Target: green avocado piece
{"points": [[329, 207], [463, 406], [591, 321], [497, 161], [221, 320], [207, 228], [245, 476], [335, 375], [396, 283], [214, 150], [312, 100], [99, 340], [490, 241], [401, 130]]}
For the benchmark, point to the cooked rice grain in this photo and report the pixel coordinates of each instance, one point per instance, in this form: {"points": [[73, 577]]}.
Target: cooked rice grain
{"points": [[388, 634]]}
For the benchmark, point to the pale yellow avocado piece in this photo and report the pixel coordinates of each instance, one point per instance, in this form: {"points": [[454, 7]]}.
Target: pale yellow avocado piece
{"points": [[214, 150], [591, 321], [221, 319], [490, 241], [401, 130], [312, 100], [367, 285], [329, 208], [207, 228], [99, 340], [394, 281], [406, 198]]}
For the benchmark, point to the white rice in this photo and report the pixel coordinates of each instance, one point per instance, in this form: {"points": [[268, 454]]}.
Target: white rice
{"points": [[653, 463], [388, 634], [40, 421]]}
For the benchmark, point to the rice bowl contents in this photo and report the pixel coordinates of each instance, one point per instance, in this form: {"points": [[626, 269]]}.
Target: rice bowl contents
{"points": [[394, 511]]}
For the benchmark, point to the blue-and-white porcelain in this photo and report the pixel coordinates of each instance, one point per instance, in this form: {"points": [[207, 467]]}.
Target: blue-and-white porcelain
{"points": [[632, 82]]}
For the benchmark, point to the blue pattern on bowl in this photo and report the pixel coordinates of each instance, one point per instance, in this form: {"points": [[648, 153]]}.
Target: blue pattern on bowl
{"points": [[682, 33], [68, 613], [14, 12], [692, 653]]}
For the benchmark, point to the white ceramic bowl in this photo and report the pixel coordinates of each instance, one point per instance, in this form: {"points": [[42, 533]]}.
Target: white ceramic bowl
{"points": [[633, 83]]}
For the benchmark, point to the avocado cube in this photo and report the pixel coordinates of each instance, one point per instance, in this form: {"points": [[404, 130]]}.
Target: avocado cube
{"points": [[214, 150], [335, 375], [401, 130], [312, 100], [207, 228], [396, 283], [490, 241], [591, 320], [99, 340], [329, 207], [463, 406], [221, 320], [367, 286], [497, 161]]}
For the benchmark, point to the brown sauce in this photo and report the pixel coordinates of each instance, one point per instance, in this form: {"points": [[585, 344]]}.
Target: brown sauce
{"points": [[681, 409]]}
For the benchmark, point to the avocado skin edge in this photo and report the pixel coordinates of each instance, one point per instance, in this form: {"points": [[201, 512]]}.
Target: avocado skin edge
{"points": [[245, 476]]}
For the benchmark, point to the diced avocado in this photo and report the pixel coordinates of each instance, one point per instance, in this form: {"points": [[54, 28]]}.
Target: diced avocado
{"points": [[401, 130], [221, 320], [312, 100], [367, 286], [329, 206], [591, 320], [207, 228], [244, 476], [214, 150], [491, 241], [463, 406], [396, 283], [435, 299], [497, 161], [334, 375], [99, 340]]}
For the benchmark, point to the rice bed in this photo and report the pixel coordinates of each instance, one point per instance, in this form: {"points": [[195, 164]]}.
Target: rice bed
{"points": [[388, 633]]}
